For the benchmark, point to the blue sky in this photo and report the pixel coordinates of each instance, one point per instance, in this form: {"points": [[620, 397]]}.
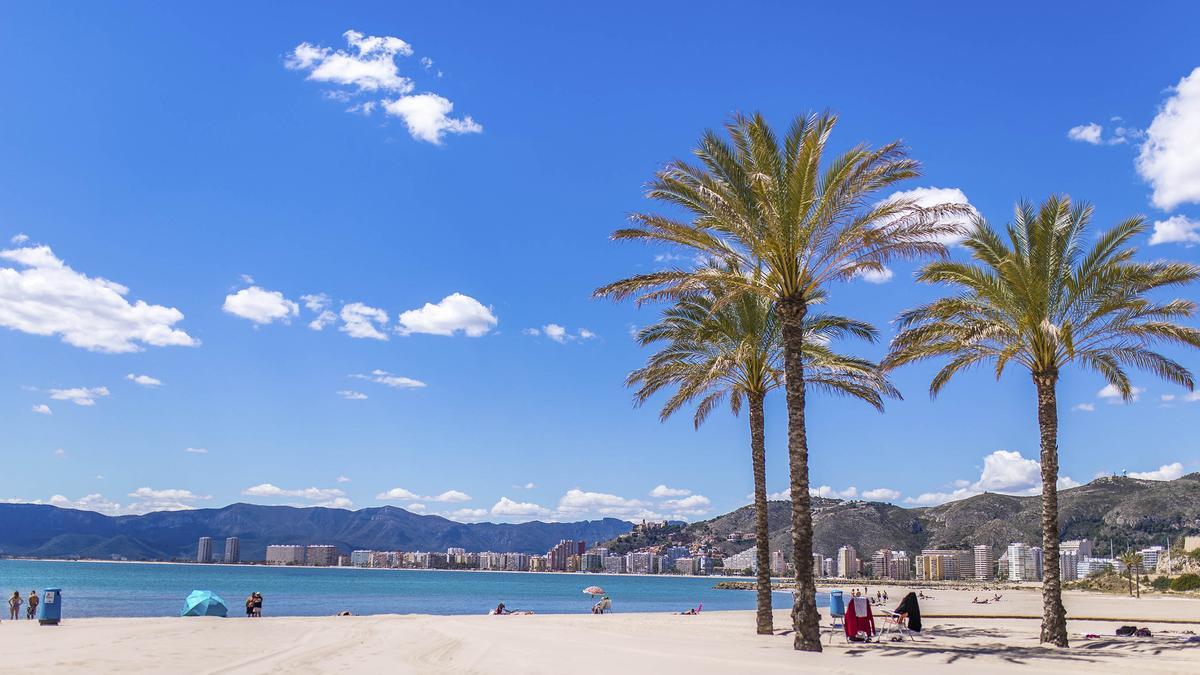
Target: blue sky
{"points": [[449, 187]]}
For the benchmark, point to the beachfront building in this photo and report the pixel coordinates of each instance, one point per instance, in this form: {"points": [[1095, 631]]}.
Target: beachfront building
{"points": [[285, 554], [847, 562], [953, 563], [1024, 562], [889, 564], [560, 556], [233, 550], [686, 565], [640, 562], [983, 562], [1082, 548], [538, 563], [900, 568], [668, 556], [828, 568], [1068, 565], [818, 565], [516, 562], [321, 555], [204, 550], [740, 562], [613, 564], [778, 564], [1150, 557], [1090, 566], [361, 557]]}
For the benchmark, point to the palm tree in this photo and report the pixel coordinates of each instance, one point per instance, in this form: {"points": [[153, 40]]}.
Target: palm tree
{"points": [[757, 204], [1132, 560], [1038, 296], [733, 352]]}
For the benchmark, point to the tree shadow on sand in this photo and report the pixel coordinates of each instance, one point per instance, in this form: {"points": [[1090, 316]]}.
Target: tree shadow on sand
{"points": [[951, 644]]}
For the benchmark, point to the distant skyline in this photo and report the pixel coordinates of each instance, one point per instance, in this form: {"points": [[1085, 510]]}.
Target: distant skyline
{"points": [[344, 257]]}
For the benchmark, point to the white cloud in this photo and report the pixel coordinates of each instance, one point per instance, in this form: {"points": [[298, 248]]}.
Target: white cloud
{"points": [[390, 380], [1004, 471], [369, 66], [343, 479], [47, 297], [85, 396], [455, 313], [146, 500], [1169, 160], [1086, 133], [881, 494], [577, 501], [876, 276], [560, 334], [351, 395], [781, 496], [92, 502], [260, 305], [416, 507], [527, 486], [42, 409], [197, 451], [401, 494], [427, 117], [144, 380], [1164, 472], [359, 321], [60, 453], [1085, 407], [1167, 398], [664, 491], [1111, 394], [466, 515], [330, 497], [829, 493], [693, 505], [318, 304], [19, 239], [934, 196], [1176, 230], [508, 507], [555, 332]]}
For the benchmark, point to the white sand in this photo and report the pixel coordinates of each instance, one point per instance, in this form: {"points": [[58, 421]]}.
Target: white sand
{"points": [[716, 642]]}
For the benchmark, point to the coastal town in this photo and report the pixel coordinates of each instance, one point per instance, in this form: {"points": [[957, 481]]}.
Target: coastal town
{"points": [[1020, 562]]}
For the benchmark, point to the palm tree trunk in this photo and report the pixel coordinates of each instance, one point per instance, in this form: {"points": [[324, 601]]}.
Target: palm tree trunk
{"points": [[805, 619], [762, 539], [1054, 615]]}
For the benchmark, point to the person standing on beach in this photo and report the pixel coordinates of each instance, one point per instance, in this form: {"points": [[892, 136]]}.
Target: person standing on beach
{"points": [[250, 605], [258, 604], [14, 606], [33, 604]]}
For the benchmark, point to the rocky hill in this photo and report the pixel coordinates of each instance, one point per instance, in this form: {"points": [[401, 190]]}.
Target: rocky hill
{"points": [[51, 532], [1126, 510]]}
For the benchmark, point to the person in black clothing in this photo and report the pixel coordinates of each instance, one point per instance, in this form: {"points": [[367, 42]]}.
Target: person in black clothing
{"points": [[910, 609]]}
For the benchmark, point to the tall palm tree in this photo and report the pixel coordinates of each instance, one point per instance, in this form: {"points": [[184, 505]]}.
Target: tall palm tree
{"points": [[732, 352], [759, 204], [1039, 296], [1132, 560]]}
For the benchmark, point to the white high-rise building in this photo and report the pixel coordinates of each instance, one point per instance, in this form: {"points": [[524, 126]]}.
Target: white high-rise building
{"points": [[204, 550], [1023, 563], [233, 550], [983, 561], [746, 560], [1150, 557], [847, 562]]}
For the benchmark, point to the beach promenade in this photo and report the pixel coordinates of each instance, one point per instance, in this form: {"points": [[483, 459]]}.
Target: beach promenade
{"points": [[716, 642]]}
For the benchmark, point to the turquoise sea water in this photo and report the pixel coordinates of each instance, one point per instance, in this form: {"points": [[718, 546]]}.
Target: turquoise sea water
{"points": [[131, 589]]}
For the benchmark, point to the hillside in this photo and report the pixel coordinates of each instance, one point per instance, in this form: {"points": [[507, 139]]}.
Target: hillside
{"points": [[52, 532], [1127, 510]]}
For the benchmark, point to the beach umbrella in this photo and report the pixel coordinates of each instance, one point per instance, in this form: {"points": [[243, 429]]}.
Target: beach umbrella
{"points": [[593, 590], [204, 603]]}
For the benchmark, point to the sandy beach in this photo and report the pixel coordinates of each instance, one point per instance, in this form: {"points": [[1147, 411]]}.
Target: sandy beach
{"points": [[716, 642]]}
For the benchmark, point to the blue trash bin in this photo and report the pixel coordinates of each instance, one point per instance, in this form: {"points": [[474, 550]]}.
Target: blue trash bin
{"points": [[837, 606], [49, 610]]}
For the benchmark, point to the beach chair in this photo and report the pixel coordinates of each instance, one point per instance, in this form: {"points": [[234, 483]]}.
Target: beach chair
{"points": [[894, 623]]}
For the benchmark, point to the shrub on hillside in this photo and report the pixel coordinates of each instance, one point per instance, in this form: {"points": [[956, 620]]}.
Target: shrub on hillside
{"points": [[1186, 582], [1161, 583]]}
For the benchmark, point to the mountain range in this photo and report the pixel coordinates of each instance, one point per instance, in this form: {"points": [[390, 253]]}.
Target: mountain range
{"points": [[1126, 511], [37, 530]]}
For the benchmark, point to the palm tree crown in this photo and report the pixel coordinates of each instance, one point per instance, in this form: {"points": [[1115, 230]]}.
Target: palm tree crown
{"points": [[714, 352], [1043, 299]]}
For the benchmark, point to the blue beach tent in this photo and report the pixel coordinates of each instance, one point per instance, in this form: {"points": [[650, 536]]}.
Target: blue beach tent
{"points": [[204, 603]]}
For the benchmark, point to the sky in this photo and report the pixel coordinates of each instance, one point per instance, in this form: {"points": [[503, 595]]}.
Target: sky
{"points": [[343, 254]]}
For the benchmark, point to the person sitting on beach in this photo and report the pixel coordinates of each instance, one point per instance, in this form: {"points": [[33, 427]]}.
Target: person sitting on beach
{"points": [[500, 610], [998, 598], [32, 603], [14, 606], [604, 604]]}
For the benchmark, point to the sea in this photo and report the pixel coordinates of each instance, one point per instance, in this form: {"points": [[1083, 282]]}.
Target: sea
{"points": [[129, 589]]}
